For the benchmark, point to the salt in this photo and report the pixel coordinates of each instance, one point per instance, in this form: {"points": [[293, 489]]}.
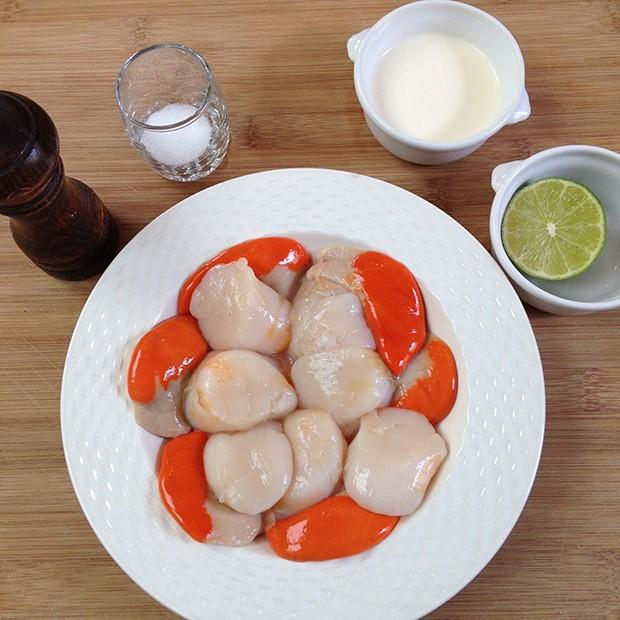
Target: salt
{"points": [[177, 147]]}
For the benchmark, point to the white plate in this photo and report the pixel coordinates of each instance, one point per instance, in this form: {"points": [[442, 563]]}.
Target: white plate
{"points": [[494, 435]]}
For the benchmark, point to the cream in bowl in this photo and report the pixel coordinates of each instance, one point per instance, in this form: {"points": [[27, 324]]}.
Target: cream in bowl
{"points": [[436, 87], [436, 79]]}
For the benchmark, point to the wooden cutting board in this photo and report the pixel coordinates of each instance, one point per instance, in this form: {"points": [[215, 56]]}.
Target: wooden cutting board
{"points": [[288, 83]]}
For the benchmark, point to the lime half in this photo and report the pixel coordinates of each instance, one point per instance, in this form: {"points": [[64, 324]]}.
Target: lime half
{"points": [[553, 229]]}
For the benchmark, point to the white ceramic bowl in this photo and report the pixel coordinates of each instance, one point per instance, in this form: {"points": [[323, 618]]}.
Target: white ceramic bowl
{"points": [[485, 32], [596, 289], [494, 434]]}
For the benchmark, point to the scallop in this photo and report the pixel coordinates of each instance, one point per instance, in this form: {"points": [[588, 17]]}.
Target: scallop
{"points": [[334, 264], [283, 280], [323, 323], [163, 415], [391, 461], [318, 455], [249, 471], [235, 390], [347, 383], [318, 287], [283, 362], [235, 310], [429, 383], [229, 527]]}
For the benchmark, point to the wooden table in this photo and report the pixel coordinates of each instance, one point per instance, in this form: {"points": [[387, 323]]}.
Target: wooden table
{"points": [[288, 84]]}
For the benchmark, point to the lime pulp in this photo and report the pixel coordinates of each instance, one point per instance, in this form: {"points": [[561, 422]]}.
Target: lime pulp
{"points": [[553, 229]]}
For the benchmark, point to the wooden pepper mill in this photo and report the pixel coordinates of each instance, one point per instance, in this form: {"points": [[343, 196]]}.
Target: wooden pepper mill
{"points": [[58, 222]]}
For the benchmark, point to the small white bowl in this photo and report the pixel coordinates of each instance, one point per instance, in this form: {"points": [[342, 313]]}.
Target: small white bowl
{"points": [[596, 289], [485, 32]]}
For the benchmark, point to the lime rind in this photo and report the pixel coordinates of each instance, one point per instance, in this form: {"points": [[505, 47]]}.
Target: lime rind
{"points": [[554, 229]]}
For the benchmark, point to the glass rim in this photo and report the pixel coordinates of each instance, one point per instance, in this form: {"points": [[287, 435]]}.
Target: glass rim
{"points": [[178, 124]]}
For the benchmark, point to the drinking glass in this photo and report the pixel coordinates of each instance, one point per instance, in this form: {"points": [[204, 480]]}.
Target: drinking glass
{"points": [[173, 111]]}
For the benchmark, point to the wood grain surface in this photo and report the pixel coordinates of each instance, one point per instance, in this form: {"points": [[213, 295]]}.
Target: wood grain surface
{"points": [[288, 83]]}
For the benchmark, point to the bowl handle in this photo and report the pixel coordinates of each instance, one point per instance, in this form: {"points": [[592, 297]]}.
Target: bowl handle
{"points": [[523, 109], [354, 43], [499, 174]]}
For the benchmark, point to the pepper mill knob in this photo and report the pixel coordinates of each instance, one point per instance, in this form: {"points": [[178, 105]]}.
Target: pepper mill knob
{"points": [[58, 222]]}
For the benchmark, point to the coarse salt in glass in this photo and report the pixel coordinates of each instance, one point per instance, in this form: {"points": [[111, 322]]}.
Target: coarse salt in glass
{"points": [[173, 112], [181, 146]]}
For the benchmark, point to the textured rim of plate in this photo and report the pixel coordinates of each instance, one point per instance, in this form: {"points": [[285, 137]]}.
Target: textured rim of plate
{"points": [[385, 194]]}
